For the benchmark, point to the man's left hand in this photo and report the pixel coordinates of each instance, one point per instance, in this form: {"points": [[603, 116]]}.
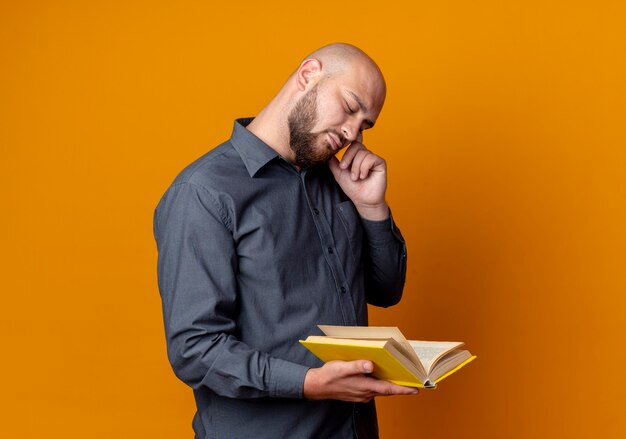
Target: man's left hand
{"points": [[362, 175]]}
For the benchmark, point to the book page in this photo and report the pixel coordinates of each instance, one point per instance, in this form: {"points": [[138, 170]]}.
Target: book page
{"points": [[364, 332], [430, 351], [448, 362]]}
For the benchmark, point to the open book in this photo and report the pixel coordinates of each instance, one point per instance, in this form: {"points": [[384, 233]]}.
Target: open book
{"points": [[406, 362]]}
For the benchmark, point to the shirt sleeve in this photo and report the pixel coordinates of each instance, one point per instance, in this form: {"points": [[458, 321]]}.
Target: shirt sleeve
{"points": [[384, 262], [197, 266]]}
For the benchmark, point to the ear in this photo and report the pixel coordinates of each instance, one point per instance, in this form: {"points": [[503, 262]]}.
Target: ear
{"points": [[308, 72]]}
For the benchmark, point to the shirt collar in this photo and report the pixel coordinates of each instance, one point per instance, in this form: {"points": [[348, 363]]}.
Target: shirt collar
{"points": [[253, 151]]}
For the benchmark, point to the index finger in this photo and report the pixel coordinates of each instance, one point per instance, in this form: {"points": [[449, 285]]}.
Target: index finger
{"points": [[346, 160], [385, 388]]}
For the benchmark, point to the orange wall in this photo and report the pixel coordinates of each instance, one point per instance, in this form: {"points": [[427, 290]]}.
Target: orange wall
{"points": [[504, 131]]}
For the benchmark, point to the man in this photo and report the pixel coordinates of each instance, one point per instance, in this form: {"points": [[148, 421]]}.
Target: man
{"points": [[269, 235]]}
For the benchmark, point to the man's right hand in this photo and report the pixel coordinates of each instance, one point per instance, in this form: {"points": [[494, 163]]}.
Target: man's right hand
{"points": [[349, 381]]}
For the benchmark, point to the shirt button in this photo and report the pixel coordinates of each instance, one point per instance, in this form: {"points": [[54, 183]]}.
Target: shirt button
{"points": [[330, 250], [317, 212], [343, 289]]}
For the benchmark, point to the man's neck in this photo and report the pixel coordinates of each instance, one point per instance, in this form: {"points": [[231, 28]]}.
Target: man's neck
{"points": [[271, 126]]}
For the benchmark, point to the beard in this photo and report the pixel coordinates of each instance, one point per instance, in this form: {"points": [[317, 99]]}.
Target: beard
{"points": [[302, 140]]}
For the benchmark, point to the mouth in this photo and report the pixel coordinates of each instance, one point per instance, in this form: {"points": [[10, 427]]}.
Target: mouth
{"points": [[334, 141]]}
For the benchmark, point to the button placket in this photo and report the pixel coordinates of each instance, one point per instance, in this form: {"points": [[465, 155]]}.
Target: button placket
{"points": [[327, 241]]}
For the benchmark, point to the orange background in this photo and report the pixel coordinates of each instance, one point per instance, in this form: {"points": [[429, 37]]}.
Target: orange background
{"points": [[504, 131]]}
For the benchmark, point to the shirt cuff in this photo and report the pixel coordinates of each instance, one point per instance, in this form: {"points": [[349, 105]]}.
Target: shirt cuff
{"points": [[286, 379], [381, 232]]}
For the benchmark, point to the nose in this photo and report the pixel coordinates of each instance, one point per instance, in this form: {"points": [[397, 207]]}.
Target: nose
{"points": [[350, 131]]}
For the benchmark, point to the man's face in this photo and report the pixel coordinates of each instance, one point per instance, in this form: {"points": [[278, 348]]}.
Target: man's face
{"points": [[331, 115]]}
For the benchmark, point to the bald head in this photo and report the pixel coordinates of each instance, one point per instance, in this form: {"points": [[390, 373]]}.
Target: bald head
{"points": [[337, 57], [341, 58]]}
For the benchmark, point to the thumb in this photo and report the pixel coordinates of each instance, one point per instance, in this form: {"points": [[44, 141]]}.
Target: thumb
{"points": [[363, 366], [348, 368]]}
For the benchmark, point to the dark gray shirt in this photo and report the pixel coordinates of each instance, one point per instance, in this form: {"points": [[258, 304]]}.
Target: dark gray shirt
{"points": [[253, 254]]}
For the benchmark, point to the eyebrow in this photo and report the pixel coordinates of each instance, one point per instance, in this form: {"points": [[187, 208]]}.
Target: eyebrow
{"points": [[363, 107]]}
